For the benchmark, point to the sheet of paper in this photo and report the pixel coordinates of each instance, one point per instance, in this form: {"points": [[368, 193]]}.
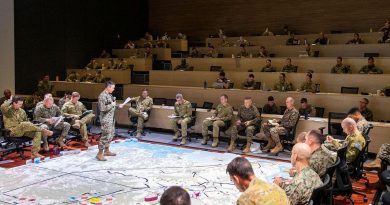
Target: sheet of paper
{"points": [[126, 101], [57, 120]]}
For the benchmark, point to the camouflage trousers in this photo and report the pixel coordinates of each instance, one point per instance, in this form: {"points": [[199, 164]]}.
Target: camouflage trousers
{"points": [[273, 132], [249, 131], [108, 132], [83, 125], [28, 129], [183, 124], [216, 125], [64, 127], [140, 120], [384, 152]]}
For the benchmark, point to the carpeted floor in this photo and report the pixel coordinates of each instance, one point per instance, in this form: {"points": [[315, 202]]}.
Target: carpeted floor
{"points": [[165, 138]]}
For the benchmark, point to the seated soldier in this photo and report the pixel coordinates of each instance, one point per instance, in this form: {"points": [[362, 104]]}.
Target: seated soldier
{"points": [[248, 119], [47, 95], [386, 32], [321, 157], [306, 108], [175, 195], [7, 95], [73, 77], [242, 53], [242, 42], [268, 67], [370, 68], [292, 40], [289, 68], [122, 64], [183, 114], [181, 36], [340, 67], [144, 105], [356, 39], [270, 107], [212, 53], [93, 65], [225, 42], [283, 85], [15, 120], [300, 188], [223, 114], [47, 114], [87, 78], [194, 53], [255, 191], [105, 54], [74, 109], [184, 66], [322, 40], [250, 83], [129, 45], [365, 111], [99, 77], [308, 85], [148, 37], [148, 52], [383, 155], [355, 140], [111, 65], [45, 86], [286, 124], [222, 82], [67, 96], [309, 51], [263, 53], [361, 122]]}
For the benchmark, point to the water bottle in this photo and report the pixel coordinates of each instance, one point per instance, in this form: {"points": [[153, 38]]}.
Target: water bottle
{"points": [[306, 115], [317, 88], [70, 152], [205, 84]]}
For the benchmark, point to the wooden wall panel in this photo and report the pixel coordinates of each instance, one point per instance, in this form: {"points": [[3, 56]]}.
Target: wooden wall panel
{"points": [[198, 18]]}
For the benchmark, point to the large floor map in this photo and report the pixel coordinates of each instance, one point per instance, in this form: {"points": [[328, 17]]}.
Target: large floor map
{"points": [[138, 175]]}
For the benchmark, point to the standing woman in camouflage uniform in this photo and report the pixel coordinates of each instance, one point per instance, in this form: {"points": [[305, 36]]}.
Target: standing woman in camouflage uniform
{"points": [[107, 106]]}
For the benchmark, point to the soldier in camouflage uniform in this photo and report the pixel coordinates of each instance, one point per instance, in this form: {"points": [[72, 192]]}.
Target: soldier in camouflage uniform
{"points": [[73, 77], [47, 95], [15, 120], [355, 140], [44, 114], [367, 113], [89, 78], [268, 67], [300, 188], [283, 85], [371, 68], [321, 157], [289, 68], [183, 114], [250, 83], [222, 117], [107, 106], [243, 53], [340, 67], [270, 107], [383, 155], [99, 77], [45, 86], [255, 191], [74, 109], [144, 105], [93, 65], [286, 124], [248, 119], [308, 85], [212, 53], [361, 122], [67, 97]]}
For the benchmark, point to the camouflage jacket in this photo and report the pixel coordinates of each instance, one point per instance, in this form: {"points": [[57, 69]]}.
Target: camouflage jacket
{"points": [[183, 110], [341, 69], [107, 109], [290, 68], [321, 159], [373, 69], [225, 113], [355, 143], [289, 118], [301, 187], [283, 86], [143, 104], [260, 192], [12, 118], [69, 108], [308, 87], [249, 114]]}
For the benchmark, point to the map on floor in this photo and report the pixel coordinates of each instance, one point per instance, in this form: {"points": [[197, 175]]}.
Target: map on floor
{"points": [[138, 175]]}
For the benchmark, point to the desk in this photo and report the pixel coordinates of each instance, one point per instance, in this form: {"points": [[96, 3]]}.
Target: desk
{"points": [[332, 102], [86, 90], [318, 65], [140, 64], [329, 83], [174, 44], [161, 53], [118, 76]]}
